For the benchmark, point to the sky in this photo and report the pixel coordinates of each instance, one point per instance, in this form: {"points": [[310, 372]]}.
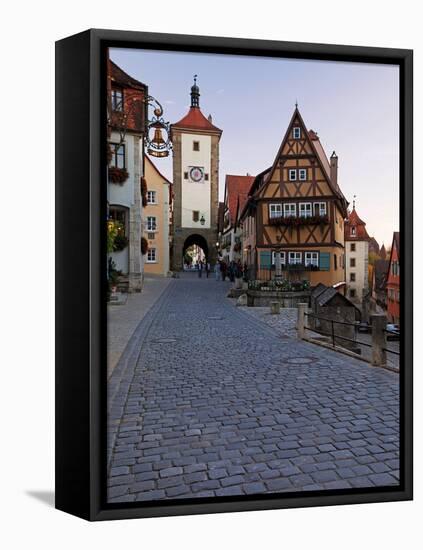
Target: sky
{"points": [[354, 108]]}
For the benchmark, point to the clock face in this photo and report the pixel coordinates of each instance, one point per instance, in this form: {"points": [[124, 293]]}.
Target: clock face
{"points": [[196, 173]]}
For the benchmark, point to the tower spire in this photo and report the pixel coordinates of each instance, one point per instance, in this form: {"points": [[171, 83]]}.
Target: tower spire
{"points": [[195, 94], [355, 196]]}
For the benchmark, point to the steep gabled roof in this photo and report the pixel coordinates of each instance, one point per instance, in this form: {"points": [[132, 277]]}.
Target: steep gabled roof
{"points": [[354, 220], [235, 187], [148, 159], [256, 184], [315, 145], [195, 120], [380, 272], [118, 76]]}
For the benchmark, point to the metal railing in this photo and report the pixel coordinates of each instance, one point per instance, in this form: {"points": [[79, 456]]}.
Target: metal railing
{"points": [[332, 332], [345, 342]]}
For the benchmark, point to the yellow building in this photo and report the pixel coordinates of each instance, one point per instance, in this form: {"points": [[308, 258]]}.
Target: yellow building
{"points": [[157, 215]]}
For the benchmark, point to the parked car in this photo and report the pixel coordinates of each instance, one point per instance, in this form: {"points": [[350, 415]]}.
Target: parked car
{"points": [[392, 332]]}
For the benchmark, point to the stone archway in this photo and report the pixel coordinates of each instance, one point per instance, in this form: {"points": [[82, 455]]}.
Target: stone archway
{"points": [[193, 241]]}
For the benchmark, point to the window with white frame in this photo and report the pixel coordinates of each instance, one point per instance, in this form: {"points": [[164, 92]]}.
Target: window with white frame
{"points": [[320, 209], [296, 132], [151, 256], [151, 197], [151, 223], [305, 210], [292, 174], [275, 210], [311, 258], [289, 209], [281, 256], [302, 174], [295, 257]]}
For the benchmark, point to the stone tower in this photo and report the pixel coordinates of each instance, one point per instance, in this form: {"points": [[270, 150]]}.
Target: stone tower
{"points": [[196, 182]]}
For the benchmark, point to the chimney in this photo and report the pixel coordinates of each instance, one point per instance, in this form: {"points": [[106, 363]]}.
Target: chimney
{"points": [[210, 119], [334, 169]]}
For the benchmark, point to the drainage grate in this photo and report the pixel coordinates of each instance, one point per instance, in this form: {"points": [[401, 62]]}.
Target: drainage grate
{"points": [[300, 360]]}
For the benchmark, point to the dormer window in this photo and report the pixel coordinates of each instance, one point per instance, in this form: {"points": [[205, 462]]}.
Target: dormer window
{"points": [[353, 231], [296, 132], [117, 99]]}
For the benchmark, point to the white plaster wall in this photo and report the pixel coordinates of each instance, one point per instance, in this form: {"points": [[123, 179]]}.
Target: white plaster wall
{"points": [[195, 196], [361, 256], [124, 194]]}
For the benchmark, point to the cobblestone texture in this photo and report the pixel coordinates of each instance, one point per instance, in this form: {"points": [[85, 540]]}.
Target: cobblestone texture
{"points": [[230, 407]]}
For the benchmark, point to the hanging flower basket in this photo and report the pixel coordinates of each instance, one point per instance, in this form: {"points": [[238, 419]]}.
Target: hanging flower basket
{"points": [[296, 221], [120, 243], [144, 246], [118, 175]]}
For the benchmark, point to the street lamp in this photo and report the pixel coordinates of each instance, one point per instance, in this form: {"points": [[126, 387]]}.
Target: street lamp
{"points": [[202, 220]]}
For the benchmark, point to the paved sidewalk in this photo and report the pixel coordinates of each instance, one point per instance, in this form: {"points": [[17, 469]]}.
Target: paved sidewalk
{"points": [[122, 320], [212, 402]]}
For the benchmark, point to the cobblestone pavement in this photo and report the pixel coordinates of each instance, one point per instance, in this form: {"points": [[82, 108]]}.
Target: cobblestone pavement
{"points": [[211, 402], [123, 319], [284, 323]]}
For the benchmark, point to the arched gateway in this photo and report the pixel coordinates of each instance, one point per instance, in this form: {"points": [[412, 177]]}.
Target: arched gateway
{"points": [[196, 182], [195, 245]]}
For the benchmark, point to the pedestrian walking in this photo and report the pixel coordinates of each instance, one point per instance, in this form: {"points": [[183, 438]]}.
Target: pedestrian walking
{"points": [[223, 267], [200, 269], [207, 269], [217, 270]]}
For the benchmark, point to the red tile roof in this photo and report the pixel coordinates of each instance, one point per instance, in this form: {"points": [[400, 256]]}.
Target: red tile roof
{"points": [[197, 121], [236, 186], [354, 220]]}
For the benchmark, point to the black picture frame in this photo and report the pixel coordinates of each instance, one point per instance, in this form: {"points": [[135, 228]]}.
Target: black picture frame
{"points": [[81, 435]]}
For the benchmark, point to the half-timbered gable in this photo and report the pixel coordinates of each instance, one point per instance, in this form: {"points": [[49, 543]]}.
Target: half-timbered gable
{"points": [[301, 209]]}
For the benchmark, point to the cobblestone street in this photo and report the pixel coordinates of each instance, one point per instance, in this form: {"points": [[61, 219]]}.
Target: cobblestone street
{"points": [[208, 400]]}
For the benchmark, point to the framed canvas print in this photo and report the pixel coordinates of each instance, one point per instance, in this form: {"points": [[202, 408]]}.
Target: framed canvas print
{"points": [[234, 274]]}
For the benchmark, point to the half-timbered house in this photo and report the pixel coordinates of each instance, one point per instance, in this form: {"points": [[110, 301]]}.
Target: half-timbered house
{"points": [[293, 222]]}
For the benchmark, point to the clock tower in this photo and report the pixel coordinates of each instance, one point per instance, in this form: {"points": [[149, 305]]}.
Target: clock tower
{"points": [[195, 181]]}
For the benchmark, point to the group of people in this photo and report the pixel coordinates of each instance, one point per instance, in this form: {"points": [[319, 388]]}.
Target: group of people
{"points": [[232, 270], [222, 270]]}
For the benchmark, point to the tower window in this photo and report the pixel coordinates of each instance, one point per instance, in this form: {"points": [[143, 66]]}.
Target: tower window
{"points": [[206, 177], [195, 215], [296, 132], [185, 175], [195, 145], [353, 231], [352, 247], [352, 262], [352, 277]]}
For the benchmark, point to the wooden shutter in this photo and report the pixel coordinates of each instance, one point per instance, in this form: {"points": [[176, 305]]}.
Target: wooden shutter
{"points": [[324, 261], [265, 259]]}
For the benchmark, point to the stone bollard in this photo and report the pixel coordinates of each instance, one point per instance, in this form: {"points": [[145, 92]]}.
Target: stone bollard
{"points": [[275, 308], [378, 340], [301, 320]]}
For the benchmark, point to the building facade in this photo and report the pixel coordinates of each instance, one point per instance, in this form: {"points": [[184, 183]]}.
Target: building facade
{"points": [[126, 125], [157, 216], [357, 257], [236, 194], [393, 281], [293, 221], [196, 182]]}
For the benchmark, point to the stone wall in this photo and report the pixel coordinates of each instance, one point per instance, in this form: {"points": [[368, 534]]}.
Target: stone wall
{"points": [[262, 298]]}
